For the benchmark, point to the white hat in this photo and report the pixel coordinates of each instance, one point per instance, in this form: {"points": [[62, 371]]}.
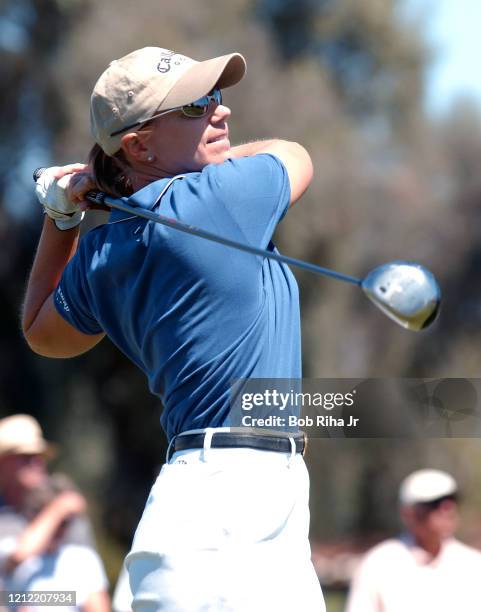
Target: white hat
{"points": [[21, 434], [150, 80], [426, 486]]}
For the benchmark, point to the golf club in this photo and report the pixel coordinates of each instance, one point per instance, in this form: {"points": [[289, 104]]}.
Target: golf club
{"points": [[405, 291]]}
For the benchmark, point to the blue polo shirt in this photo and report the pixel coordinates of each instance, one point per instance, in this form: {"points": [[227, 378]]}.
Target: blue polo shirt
{"points": [[193, 314]]}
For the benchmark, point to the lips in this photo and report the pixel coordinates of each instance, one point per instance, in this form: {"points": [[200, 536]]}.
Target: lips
{"points": [[217, 138]]}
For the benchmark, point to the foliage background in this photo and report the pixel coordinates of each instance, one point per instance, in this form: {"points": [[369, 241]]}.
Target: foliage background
{"points": [[346, 79]]}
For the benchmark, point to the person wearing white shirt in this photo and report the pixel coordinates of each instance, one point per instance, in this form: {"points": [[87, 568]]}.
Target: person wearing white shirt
{"points": [[72, 568], [45, 539], [426, 569]]}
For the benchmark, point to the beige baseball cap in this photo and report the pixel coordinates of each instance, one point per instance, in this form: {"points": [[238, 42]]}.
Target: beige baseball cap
{"points": [[149, 81], [426, 486], [21, 434]]}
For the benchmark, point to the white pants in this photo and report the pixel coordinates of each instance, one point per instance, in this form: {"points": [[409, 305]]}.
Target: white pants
{"points": [[226, 530]]}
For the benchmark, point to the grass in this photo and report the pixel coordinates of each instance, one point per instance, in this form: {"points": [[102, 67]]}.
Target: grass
{"points": [[335, 601]]}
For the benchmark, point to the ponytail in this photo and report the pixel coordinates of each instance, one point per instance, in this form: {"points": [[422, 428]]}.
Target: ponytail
{"points": [[110, 172]]}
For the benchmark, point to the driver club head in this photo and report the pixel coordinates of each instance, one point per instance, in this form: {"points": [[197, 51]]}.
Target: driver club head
{"points": [[406, 292]]}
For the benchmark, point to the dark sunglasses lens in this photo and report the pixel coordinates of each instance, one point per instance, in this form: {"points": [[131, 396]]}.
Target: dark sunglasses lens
{"points": [[427, 507], [195, 110], [200, 107]]}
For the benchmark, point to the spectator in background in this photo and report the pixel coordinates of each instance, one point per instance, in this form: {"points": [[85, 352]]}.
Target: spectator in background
{"points": [[425, 569], [45, 537]]}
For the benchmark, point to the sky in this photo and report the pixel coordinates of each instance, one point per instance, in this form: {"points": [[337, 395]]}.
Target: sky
{"points": [[453, 29]]}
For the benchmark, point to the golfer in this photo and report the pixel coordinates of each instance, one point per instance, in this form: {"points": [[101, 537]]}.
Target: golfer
{"points": [[226, 524]]}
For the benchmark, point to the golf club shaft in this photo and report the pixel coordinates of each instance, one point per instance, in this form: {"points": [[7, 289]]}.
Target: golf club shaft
{"points": [[119, 204], [98, 197]]}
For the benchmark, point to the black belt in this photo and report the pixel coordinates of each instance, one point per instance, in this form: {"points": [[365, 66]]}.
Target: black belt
{"points": [[268, 442]]}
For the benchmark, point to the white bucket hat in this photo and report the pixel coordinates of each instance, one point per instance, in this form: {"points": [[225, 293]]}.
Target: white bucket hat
{"points": [[425, 486], [151, 80], [21, 434]]}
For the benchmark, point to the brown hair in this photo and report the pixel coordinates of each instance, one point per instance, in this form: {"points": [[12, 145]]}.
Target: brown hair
{"points": [[110, 171]]}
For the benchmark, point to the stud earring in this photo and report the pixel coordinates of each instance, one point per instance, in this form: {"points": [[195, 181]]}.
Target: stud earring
{"points": [[150, 158]]}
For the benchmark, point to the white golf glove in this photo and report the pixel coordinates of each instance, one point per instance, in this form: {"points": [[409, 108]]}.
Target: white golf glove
{"points": [[52, 195]]}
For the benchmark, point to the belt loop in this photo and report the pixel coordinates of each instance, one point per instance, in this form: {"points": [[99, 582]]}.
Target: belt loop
{"points": [[293, 451], [209, 432], [167, 454]]}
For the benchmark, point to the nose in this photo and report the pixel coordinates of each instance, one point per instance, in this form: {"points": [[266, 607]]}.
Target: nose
{"points": [[220, 113]]}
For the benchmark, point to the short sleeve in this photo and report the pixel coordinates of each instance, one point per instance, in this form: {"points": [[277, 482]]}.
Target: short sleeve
{"points": [[256, 192], [71, 297]]}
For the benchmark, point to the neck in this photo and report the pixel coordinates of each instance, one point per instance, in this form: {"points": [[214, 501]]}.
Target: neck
{"points": [[431, 545], [145, 174]]}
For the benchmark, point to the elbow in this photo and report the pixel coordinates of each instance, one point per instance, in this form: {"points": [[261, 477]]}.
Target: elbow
{"points": [[36, 343], [309, 167], [305, 160], [40, 338], [301, 171], [29, 336], [56, 345], [30, 333], [41, 342]]}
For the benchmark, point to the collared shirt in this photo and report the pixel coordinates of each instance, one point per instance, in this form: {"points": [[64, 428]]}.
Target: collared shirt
{"points": [[193, 314], [397, 576]]}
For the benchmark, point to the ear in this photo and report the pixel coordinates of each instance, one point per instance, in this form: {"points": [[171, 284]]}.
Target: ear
{"points": [[135, 147]]}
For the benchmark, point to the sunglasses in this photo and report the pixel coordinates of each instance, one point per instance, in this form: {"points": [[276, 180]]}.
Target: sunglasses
{"points": [[428, 507], [194, 110]]}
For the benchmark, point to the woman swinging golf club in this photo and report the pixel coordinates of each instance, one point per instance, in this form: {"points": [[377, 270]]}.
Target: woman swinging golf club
{"points": [[226, 523]]}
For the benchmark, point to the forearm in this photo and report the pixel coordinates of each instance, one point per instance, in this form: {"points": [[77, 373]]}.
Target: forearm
{"points": [[38, 535], [251, 148], [55, 249]]}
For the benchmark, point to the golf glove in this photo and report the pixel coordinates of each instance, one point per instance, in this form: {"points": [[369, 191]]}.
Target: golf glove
{"points": [[52, 195]]}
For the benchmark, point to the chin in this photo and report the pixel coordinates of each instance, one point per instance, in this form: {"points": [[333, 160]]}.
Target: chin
{"points": [[211, 157], [221, 156], [217, 152]]}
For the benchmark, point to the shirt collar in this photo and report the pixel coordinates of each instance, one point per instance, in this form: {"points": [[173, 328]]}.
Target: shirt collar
{"points": [[421, 556], [147, 197]]}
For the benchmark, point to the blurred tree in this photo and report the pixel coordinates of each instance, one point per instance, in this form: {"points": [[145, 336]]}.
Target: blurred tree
{"points": [[293, 24], [374, 60], [31, 114]]}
